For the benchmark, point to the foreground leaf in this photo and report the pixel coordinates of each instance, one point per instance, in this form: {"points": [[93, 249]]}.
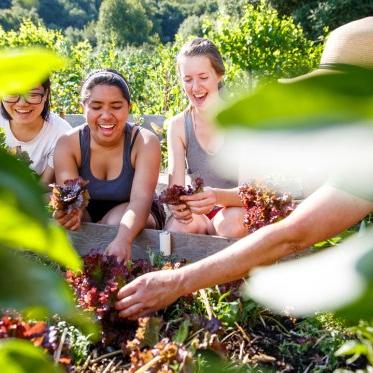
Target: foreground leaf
{"points": [[17, 356], [29, 286], [328, 281], [19, 231], [18, 185], [24, 69], [311, 103]]}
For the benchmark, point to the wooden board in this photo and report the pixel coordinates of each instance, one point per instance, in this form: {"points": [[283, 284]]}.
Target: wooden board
{"points": [[192, 247]]}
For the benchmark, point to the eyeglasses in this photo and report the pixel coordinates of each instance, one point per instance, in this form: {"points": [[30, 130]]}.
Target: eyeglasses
{"points": [[30, 98]]}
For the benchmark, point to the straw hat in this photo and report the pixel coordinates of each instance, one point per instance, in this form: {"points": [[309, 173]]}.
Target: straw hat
{"points": [[350, 44]]}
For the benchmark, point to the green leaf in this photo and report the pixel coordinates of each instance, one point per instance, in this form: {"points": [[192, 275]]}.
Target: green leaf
{"points": [[29, 286], [24, 69], [351, 348], [333, 280], [212, 363], [310, 103], [150, 331], [18, 185], [19, 356], [19, 231], [182, 333], [24, 222]]}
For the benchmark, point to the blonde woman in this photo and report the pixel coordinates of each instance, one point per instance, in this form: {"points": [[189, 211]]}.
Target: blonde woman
{"points": [[194, 141]]}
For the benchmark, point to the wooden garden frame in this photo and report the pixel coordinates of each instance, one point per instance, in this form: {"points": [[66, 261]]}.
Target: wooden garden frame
{"points": [[188, 246]]}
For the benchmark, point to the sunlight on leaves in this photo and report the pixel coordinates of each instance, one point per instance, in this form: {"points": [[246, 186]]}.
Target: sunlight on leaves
{"points": [[30, 286], [18, 356], [322, 100], [24, 69], [18, 231]]}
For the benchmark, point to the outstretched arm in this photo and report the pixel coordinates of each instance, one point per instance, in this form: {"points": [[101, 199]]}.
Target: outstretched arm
{"points": [[322, 215]]}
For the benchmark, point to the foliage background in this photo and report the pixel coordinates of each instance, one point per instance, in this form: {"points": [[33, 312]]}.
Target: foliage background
{"points": [[254, 40]]}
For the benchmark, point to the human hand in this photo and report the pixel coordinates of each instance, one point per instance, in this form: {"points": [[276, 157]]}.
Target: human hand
{"points": [[122, 250], [181, 213], [202, 202], [69, 220], [149, 292]]}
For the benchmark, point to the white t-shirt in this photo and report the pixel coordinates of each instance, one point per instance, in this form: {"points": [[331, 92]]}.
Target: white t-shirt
{"points": [[41, 148]]}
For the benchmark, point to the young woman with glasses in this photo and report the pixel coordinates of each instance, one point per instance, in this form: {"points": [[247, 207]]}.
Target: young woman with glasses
{"points": [[28, 123]]}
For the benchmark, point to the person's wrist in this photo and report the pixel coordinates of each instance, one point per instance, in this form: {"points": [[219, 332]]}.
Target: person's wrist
{"points": [[215, 192], [123, 239], [181, 282]]}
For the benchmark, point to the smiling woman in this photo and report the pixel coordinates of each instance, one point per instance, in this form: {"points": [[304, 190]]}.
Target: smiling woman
{"points": [[194, 141], [28, 124], [120, 160]]}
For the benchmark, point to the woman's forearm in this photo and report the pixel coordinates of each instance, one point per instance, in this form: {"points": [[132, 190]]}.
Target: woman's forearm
{"points": [[227, 197], [262, 247], [133, 221]]}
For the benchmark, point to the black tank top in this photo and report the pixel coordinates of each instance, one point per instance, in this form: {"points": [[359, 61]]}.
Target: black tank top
{"points": [[106, 194]]}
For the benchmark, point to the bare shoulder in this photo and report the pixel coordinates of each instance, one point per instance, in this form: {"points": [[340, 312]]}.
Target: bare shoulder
{"points": [[147, 137], [176, 123], [69, 141]]}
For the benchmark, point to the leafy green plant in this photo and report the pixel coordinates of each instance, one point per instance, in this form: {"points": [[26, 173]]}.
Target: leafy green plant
{"points": [[29, 286], [262, 43], [362, 346], [21, 356]]}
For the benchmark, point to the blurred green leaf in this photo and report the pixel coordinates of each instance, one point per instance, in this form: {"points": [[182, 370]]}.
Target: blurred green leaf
{"points": [[29, 286], [18, 356], [351, 348], [19, 231], [18, 185], [24, 222], [318, 101], [338, 279], [24, 69]]}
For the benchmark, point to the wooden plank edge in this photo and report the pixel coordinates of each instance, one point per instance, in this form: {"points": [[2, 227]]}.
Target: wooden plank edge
{"points": [[188, 246]]}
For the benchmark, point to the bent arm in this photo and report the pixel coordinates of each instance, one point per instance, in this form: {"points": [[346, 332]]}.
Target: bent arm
{"points": [[322, 215], [65, 167], [176, 151], [47, 176], [65, 162]]}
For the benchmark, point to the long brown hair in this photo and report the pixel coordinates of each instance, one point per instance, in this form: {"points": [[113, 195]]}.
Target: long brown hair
{"points": [[203, 47]]}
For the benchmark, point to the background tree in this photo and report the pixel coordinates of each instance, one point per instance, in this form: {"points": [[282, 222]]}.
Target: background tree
{"points": [[11, 18], [125, 20], [192, 25], [263, 44], [315, 16], [5, 4]]}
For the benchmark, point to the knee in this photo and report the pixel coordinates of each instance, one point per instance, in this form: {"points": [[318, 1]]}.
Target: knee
{"points": [[229, 223], [195, 226]]}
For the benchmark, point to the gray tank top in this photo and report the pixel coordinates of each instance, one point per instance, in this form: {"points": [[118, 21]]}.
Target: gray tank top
{"points": [[106, 194], [199, 161]]}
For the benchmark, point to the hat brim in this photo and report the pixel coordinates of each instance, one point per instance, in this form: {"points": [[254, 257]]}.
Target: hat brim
{"points": [[309, 75]]}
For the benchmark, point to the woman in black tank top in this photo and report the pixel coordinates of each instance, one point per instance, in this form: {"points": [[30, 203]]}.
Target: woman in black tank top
{"points": [[120, 162]]}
